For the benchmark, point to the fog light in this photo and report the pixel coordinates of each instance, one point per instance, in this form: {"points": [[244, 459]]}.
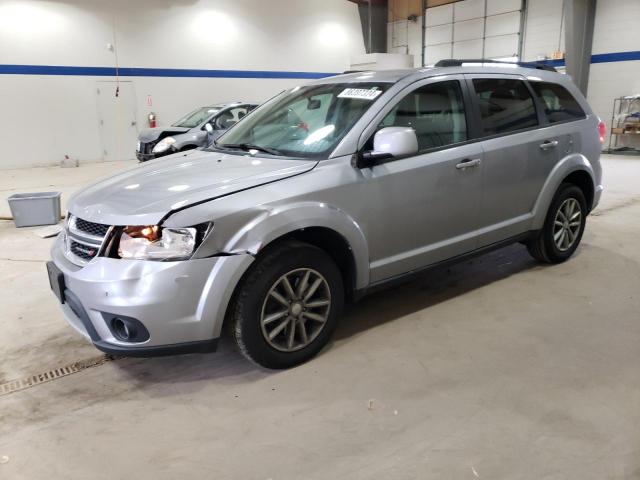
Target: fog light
{"points": [[126, 329], [122, 329]]}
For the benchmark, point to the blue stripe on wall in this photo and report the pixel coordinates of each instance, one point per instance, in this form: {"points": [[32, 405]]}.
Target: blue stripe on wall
{"points": [[601, 58], [153, 72], [615, 57], [190, 73]]}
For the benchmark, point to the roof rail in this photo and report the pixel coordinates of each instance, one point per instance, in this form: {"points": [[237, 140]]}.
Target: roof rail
{"points": [[452, 62]]}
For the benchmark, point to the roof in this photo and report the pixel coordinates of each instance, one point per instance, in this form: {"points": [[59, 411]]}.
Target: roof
{"points": [[393, 76], [228, 104], [384, 76]]}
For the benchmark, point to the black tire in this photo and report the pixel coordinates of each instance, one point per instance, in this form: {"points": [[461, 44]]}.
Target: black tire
{"points": [[252, 297], [543, 246]]}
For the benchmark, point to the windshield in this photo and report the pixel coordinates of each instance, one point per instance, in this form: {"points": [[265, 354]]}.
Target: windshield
{"points": [[196, 117], [304, 122]]}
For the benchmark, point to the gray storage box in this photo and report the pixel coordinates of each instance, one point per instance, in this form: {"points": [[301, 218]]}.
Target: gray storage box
{"points": [[30, 209]]}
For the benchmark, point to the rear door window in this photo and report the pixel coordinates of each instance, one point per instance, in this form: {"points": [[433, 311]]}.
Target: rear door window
{"points": [[505, 105], [559, 105]]}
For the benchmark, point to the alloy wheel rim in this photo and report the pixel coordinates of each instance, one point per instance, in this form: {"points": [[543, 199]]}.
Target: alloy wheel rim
{"points": [[567, 224], [295, 309]]}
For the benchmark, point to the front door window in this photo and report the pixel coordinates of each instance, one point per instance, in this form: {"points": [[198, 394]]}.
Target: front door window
{"points": [[435, 112]]}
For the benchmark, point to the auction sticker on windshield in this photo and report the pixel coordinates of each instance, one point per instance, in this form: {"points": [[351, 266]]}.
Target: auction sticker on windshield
{"points": [[361, 93]]}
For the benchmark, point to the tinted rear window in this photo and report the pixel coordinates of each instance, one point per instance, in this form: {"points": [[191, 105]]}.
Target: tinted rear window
{"points": [[559, 104], [505, 105]]}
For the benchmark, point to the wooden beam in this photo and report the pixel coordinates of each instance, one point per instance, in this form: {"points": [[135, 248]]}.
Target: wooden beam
{"points": [[437, 3], [402, 9]]}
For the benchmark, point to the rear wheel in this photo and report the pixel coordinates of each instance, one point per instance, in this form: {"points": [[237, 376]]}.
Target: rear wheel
{"points": [[563, 226], [288, 305]]}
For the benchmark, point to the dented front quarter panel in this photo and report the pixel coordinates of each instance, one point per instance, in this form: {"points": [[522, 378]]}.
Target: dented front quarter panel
{"points": [[248, 222]]}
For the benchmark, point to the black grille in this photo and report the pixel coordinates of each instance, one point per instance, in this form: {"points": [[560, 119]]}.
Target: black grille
{"points": [[97, 229], [147, 147], [83, 251]]}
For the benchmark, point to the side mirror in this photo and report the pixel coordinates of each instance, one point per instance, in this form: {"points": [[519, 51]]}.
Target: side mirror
{"points": [[208, 128], [388, 143]]}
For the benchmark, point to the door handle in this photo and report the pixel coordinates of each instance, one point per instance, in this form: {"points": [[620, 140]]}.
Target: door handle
{"points": [[468, 163], [549, 144]]}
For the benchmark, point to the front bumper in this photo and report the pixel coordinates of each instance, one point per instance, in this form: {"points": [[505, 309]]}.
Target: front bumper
{"points": [[181, 304], [145, 157]]}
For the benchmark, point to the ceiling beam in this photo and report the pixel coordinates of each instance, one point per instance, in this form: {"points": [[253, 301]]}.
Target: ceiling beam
{"points": [[402, 9]]}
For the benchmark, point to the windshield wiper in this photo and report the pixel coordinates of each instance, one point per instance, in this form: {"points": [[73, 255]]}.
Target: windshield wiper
{"points": [[250, 146]]}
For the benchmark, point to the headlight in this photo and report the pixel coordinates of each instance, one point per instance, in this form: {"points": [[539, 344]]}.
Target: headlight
{"points": [[164, 144], [155, 243]]}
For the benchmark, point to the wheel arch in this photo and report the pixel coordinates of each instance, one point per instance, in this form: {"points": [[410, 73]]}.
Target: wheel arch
{"points": [[582, 180], [330, 240], [322, 225], [332, 243], [574, 169]]}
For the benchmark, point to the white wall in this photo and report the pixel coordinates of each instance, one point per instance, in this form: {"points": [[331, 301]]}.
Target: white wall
{"points": [[544, 32], [405, 36], [473, 29], [616, 30], [45, 117]]}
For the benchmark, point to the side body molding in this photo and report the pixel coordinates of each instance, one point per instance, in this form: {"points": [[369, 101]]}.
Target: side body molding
{"points": [[568, 165]]}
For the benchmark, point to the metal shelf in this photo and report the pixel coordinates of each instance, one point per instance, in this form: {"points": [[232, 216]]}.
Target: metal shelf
{"points": [[621, 106]]}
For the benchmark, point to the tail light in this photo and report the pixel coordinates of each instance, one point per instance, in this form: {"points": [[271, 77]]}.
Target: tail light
{"points": [[602, 131]]}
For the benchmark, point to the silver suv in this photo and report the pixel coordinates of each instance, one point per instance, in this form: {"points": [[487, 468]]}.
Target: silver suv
{"points": [[318, 196]]}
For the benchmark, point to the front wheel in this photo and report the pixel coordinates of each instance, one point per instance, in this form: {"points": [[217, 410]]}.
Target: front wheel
{"points": [[288, 305], [563, 226]]}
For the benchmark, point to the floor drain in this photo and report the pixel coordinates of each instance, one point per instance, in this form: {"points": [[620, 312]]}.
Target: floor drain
{"points": [[53, 374]]}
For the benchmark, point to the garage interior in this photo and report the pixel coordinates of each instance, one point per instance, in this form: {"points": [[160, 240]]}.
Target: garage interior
{"points": [[496, 367]]}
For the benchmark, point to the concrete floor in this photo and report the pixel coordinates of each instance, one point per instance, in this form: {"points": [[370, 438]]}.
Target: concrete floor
{"points": [[495, 368]]}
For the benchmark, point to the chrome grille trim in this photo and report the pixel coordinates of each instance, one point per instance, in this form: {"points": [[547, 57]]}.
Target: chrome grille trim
{"points": [[74, 236]]}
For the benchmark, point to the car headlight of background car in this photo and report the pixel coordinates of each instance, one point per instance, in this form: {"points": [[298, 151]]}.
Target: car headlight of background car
{"points": [[152, 242], [164, 145]]}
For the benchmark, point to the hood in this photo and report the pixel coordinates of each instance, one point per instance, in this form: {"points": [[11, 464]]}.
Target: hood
{"points": [[146, 194], [150, 134]]}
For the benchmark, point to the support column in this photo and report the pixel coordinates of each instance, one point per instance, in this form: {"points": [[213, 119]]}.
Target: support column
{"points": [[579, 19], [373, 18]]}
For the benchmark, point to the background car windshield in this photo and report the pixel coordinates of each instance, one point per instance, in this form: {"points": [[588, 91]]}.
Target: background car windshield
{"points": [[307, 121], [196, 117]]}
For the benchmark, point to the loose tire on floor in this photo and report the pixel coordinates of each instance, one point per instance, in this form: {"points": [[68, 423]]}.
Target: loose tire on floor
{"points": [[287, 305], [563, 226]]}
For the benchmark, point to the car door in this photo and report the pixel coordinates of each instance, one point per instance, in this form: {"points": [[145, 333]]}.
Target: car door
{"points": [[518, 152], [423, 208]]}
